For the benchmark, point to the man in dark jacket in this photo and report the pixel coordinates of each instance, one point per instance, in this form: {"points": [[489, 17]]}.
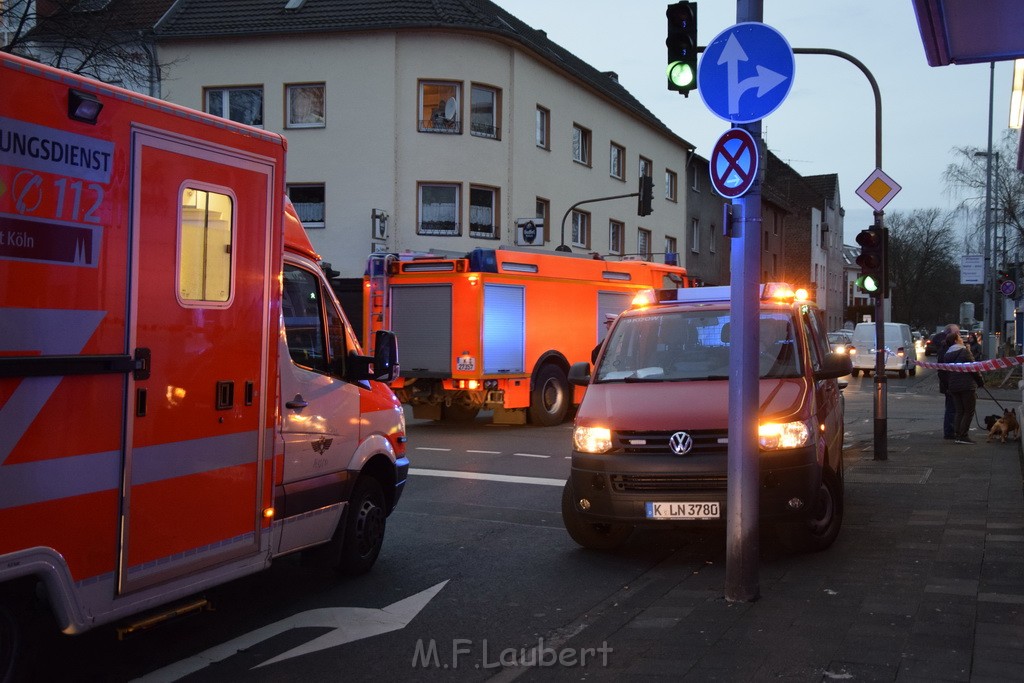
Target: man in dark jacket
{"points": [[940, 341], [962, 386]]}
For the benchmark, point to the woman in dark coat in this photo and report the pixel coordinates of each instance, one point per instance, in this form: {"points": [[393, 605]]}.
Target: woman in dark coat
{"points": [[963, 387]]}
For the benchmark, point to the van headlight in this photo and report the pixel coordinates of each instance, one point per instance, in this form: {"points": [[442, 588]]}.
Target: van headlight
{"points": [[592, 439], [774, 436]]}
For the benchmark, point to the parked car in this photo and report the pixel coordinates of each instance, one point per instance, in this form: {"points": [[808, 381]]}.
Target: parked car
{"points": [[840, 341], [898, 344], [650, 438]]}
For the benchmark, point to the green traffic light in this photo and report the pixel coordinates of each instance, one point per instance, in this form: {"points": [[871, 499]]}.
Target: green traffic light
{"points": [[867, 283], [680, 74]]}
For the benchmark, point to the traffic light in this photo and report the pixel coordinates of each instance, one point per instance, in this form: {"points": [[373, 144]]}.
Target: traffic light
{"points": [[645, 196], [871, 261], [682, 47]]}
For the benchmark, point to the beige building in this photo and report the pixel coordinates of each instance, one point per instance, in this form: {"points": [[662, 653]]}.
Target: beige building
{"points": [[433, 129]]}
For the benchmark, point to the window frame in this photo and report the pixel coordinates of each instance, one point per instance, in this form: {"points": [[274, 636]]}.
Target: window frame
{"points": [[495, 125], [584, 147], [671, 245], [434, 124], [615, 242], [645, 167], [620, 172], [309, 225], [579, 234], [495, 228], [288, 89], [225, 91], [542, 128], [695, 235], [437, 232], [671, 185], [195, 185], [542, 209], [641, 251]]}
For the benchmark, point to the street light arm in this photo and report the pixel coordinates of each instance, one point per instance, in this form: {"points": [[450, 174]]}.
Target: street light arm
{"points": [[562, 246]]}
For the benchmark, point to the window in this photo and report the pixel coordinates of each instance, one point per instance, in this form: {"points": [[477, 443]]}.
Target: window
{"points": [[581, 229], [671, 183], [439, 210], [694, 235], [580, 145], [542, 211], [643, 243], [204, 246], [305, 106], [645, 167], [693, 180], [712, 240], [617, 161], [244, 105], [483, 212], [543, 127], [670, 245], [439, 107], [616, 229], [305, 318], [309, 204], [484, 105]]}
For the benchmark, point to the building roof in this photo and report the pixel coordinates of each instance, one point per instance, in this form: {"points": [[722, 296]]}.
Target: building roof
{"points": [[198, 19], [88, 17]]}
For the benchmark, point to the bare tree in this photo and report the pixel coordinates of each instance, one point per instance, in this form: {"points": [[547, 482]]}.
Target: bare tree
{"points": [[924, 274], [967, 177], [110, 40]]}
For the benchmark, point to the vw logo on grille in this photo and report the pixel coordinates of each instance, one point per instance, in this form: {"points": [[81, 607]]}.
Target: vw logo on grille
{"points": [[681, 443]]}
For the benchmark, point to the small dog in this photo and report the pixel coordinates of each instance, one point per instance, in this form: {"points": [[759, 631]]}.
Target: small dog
{"points": [[1003, 427]]}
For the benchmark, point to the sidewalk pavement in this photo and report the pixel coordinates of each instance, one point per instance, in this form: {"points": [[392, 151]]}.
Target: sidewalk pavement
{"points": [[925, 582]]}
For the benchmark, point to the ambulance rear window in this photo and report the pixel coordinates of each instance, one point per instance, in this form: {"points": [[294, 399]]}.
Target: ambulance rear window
{"points": [[204, 246]]}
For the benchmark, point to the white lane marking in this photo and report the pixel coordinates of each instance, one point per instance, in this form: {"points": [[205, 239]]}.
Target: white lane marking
{"points": [[531, 455], [486, 452], [427, 448], [506, 478], [347, 624]]}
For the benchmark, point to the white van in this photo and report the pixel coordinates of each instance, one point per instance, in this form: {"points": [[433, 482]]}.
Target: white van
{"points": [[899, 349]]}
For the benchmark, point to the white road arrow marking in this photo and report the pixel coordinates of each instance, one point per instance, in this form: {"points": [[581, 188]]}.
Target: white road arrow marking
{"points": [[347, 624]]}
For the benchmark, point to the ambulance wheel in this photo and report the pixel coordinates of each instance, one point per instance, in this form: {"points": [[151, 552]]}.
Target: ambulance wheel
{"points": [[21, 630], [364, 527], [550, 398], [854, 372], [458, 413], [912, 371], [587, 534], [903, 373], [820, 528]]}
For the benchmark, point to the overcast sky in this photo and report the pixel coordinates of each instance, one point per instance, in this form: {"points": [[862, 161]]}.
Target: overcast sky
{"points": [[826, 124]]}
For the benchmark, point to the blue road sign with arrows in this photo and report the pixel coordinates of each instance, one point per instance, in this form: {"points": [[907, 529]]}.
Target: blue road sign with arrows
{"points": [[746, 72]]}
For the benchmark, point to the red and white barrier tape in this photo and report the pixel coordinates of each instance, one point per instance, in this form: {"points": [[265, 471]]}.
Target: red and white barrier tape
{"points": [[977, 366]]}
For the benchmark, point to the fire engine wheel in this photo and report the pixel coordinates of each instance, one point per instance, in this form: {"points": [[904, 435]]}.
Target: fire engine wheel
{"points": [[589, 535], [550, 398], [820, 528], [364, 527]]}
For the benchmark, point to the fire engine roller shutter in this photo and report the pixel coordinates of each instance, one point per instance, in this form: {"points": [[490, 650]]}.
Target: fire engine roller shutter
{"points": [[610, 303], [421, 316], [504, 328]]}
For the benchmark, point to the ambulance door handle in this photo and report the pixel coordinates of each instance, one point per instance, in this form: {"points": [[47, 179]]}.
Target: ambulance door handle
{"points": [[296, 403]]}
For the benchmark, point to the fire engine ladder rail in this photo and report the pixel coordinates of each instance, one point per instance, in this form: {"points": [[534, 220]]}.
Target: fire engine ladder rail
{"points": [[379, 313]]}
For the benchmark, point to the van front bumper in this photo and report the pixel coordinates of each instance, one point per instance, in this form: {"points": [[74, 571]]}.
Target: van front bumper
{"points": [[617, 487]]}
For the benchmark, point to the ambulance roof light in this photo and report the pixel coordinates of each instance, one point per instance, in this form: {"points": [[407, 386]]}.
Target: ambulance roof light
{"points": [[83, 106]]}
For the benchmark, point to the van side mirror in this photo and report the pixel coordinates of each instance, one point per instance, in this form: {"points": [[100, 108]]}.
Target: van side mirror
{"points": [[381, 366], [385, 356], [579, 374], [834, 365]]}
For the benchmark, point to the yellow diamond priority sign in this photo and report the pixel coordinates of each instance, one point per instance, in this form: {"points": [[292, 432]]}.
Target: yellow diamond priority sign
{"points": [[878, 189]]}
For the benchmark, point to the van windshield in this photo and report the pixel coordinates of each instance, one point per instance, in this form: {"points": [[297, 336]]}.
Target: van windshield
{"points": [[693, 345]]}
